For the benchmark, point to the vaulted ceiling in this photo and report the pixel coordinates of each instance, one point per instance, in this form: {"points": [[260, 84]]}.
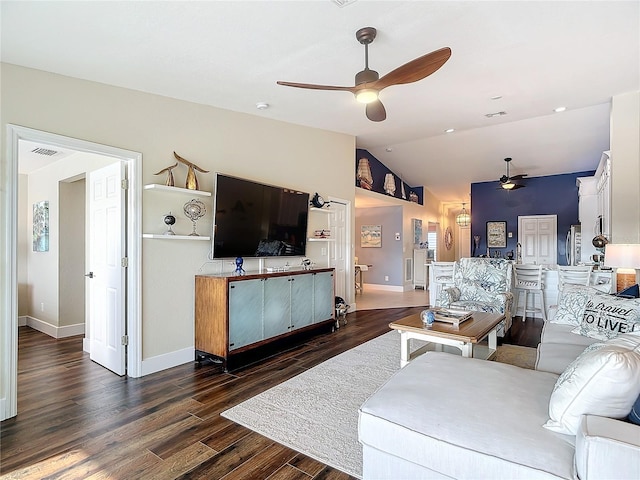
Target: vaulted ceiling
{"points": [[524, 58]]}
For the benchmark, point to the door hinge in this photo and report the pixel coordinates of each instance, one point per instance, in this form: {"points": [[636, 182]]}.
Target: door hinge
{"points": [[125, 262], [125, 183], [125, 340]]}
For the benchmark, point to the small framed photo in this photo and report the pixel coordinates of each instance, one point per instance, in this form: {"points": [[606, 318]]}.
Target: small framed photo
{"points": [[496, 234]]}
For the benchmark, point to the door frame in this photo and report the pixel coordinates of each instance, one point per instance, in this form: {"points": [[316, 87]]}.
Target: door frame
{"points": [[350, 269], [9, 311]]}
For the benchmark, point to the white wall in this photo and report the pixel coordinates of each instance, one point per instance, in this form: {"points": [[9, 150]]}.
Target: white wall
{"points": [[625, 168], [217, 140]]}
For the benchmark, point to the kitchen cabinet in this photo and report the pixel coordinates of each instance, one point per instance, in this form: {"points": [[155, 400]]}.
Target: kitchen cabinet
{"points": [[603, 176], [420, 269]]}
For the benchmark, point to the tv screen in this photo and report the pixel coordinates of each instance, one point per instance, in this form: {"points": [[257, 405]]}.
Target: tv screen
{"points": [[257, 220]]}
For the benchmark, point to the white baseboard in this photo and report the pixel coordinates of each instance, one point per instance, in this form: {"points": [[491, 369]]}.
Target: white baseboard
{"points": [[3, 412], [86, 345], [22, 321], [52, 330], [167, 360], [386, 288]]}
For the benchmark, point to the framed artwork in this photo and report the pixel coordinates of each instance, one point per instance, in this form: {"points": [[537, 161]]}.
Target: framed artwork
{"points": [[417, 231], [496, 234], [371, 236], [41, 226]]}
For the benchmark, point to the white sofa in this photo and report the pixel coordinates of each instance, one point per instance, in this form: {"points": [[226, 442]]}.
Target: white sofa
{"points": [[444, 416]]}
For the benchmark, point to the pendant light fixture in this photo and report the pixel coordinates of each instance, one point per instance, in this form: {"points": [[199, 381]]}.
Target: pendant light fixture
{"points": [[463, 219]]}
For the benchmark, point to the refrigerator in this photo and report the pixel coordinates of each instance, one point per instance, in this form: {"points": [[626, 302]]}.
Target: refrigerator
{"points": [[574, 245]]}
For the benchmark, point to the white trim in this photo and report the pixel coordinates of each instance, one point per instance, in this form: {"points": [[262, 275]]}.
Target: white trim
{"points": [[86, 345], [22, 321], [8, 318], [168, 360], [9, 309], [53, 330]]}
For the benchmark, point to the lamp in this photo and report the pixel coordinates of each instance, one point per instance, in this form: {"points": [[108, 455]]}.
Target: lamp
{"points": [[508, 185], [367, 95], [463, 218], [625, 257]]}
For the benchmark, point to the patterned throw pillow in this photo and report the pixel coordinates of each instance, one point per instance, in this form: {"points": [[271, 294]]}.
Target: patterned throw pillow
{"points": [[573, 300], [604, 380], [607, 317]]}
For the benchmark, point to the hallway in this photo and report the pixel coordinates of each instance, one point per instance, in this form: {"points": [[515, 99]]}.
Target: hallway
{"points": [[374, 298]]}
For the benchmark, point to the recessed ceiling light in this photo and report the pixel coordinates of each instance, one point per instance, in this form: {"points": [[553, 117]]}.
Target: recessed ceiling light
{"points": [[262, 105], [495, 114], [559, 109], [388, 149], [450, 130], [496, 97]]}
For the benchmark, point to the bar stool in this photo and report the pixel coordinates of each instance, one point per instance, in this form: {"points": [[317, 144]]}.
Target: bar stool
{"points": [[528, 280], [442, 277], [573, 275]]}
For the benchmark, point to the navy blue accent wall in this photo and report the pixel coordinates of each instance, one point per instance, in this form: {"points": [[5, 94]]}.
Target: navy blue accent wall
{"points": [[378, 171], [551, 195]]}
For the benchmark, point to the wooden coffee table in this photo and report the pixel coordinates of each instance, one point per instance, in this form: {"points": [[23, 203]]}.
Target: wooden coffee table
{"points": [[466, 337]]}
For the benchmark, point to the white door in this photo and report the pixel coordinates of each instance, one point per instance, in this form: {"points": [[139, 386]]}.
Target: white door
{"points": [[106, 274], [464, 242], [338, 249], [537, 234]]}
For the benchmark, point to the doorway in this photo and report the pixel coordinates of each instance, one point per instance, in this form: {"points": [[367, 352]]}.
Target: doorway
{"points": [[9, 325]]}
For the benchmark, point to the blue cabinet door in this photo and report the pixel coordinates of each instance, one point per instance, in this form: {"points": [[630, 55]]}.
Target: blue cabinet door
{"points": [[245, 312]]}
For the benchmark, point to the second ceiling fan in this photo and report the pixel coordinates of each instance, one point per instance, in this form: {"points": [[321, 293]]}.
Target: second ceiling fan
{"points": [[507, 181], [368, 83]]}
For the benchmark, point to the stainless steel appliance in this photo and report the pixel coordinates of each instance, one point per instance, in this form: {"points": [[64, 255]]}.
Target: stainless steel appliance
{"points": [[574, 245]]}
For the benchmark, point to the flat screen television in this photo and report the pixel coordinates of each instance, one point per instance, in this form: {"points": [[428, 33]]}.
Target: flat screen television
{"points": [[256, 220]]}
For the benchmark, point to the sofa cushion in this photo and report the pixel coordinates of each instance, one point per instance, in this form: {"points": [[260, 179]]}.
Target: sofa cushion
{"points": [[438, 410], [560, 333], [606, 317], [573, 300], [604, 380], [556, 357]]}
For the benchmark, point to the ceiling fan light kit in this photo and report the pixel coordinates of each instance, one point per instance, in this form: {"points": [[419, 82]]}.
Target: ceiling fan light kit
{"points": [[368, 83]]}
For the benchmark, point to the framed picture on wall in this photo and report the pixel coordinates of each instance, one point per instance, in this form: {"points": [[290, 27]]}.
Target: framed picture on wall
{"points": [[417, 231], [496, 234], [371, 236]]}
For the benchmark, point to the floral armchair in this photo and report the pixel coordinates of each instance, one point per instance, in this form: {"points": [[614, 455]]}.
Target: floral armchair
{"points": [[481, 284]]}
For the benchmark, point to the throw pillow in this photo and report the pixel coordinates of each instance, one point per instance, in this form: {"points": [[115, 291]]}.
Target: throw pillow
{"points": [[573, 300], [607, 317], [604, 380], [634, 416]]}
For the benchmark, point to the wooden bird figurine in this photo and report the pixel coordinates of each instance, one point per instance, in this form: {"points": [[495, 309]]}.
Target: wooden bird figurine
{"points": [[170, 182], [192, 181]]}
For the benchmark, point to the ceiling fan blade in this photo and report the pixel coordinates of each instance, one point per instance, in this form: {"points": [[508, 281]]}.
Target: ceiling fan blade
{"points": [[317, 87], [415, 70], [375, 111], [518, 177]]}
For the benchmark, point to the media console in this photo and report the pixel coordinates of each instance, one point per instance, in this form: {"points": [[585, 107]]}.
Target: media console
{"points": [[235, 315]]}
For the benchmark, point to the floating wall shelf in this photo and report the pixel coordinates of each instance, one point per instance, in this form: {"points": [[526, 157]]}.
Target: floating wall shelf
{"points": [[165, 188]]}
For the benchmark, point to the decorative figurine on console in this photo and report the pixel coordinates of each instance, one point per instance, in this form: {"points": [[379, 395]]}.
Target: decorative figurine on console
{"points": [[239, 262], [169, 220], [306, 264]]}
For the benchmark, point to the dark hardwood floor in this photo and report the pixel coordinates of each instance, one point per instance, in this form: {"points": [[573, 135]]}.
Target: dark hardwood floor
{"points": [[77, 420]]}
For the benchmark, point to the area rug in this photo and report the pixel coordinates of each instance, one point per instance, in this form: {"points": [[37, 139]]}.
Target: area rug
{"points": [[316, 412]]}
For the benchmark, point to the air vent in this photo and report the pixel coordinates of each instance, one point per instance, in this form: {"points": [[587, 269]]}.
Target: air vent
{"points": [[496, 114], [44, 151]]}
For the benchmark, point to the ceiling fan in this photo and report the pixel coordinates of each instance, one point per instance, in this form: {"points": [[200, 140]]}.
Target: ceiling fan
{"points": [[368, 83], [506, 181]]}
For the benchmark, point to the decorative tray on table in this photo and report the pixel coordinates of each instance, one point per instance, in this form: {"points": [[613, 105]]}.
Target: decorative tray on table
{"points": [[456, 317]]}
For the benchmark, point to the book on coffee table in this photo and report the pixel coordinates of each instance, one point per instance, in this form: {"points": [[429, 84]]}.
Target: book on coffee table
{"points": [[455, 317]]}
